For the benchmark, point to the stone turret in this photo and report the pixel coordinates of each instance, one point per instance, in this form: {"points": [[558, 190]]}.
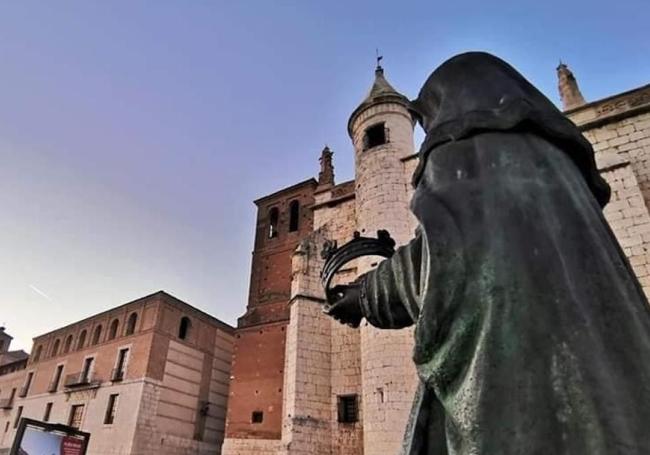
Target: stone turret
{"points": [[569, 90], [326, 174], [381, 129]]}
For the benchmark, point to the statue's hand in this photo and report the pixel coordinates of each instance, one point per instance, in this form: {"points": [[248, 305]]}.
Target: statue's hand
{"points": [[346, 308]]}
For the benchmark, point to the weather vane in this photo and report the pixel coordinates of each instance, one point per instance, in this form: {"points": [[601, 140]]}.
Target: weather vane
{"points": [[379, 57]]}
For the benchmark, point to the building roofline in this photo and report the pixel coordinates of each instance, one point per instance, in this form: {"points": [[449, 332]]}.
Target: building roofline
{"points": [[139, 299], [14, 361], [310, 181], [15, 356], [218, 321], [604, 100]]}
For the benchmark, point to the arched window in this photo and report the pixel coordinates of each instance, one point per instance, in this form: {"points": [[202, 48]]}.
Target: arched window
{"points": [[274, 216], [37, 353], [130, 325], [184, 328], [82, 340], [112, 330], [96, 334], [294, 216], [55, 348], [67, 345]]}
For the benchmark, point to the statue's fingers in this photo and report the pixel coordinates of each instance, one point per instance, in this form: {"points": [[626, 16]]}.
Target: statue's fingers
{"points": [[332, 308]]}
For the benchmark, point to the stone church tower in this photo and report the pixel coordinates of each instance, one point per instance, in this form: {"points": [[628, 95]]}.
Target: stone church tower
{"points": [[344, 391]]}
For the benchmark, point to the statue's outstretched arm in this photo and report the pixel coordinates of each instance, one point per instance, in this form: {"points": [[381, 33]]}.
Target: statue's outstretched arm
{"points": [[390, 294]]}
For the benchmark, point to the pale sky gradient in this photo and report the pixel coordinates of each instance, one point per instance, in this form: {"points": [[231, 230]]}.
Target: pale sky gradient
{"points": [[134, 135]]}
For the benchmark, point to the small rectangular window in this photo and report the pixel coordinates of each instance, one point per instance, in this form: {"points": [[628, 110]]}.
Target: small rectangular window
{"points": [[347, 408], [111, 408], [257, 417], [76, 414], [25, 388], [19, 414], [54, 385], [85, 374], [118, 372], [48, 411]]}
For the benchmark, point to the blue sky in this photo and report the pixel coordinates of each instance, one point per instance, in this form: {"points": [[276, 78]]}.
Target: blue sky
{"points": [[134, 135]]}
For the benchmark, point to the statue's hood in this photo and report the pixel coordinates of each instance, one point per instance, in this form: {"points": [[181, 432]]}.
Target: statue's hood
{"points": [[477, 92]]}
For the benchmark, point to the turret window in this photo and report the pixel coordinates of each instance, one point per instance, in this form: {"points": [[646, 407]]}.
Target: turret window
{"points": [[375, 135]]}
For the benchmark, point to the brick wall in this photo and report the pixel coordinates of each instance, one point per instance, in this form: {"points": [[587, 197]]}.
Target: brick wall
{"points": [[258, 361], [165, 382]]}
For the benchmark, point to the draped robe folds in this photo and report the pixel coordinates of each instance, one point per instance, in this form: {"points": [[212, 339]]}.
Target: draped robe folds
{"points": [[532, 334]]}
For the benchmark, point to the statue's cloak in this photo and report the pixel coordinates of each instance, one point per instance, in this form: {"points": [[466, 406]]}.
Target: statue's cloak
{"points": [[532, 332]]}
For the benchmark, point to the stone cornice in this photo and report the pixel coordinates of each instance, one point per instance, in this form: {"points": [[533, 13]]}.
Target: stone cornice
{"points": [[611, 109]]}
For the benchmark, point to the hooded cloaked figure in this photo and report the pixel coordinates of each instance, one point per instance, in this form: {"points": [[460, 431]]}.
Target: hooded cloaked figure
{"points": [[532, 333]]}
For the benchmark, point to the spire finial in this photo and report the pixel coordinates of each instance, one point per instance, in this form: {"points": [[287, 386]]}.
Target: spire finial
{"points": [[378, 69]]}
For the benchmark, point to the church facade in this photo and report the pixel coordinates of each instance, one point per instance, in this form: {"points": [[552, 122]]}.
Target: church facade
{"points": [[302, 383]]}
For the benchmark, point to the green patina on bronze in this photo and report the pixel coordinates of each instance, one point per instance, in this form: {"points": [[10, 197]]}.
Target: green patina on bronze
{"points": [[532, 333]]}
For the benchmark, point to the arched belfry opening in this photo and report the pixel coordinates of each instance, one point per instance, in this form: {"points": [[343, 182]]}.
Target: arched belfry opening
{"points": [[274, 218], [294, 216], [184, 328]]}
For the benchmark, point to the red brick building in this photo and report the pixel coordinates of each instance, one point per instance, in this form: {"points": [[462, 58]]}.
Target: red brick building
{"points": [[146, 377], [283, 219]]}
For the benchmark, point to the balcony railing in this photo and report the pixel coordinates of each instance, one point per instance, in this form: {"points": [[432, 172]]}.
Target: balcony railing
{"points": [[6, 403], [22, 393], [79, 380], [117, 375]]}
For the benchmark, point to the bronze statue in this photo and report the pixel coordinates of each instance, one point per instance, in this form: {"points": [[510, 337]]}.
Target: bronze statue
{"points": [[532, 332]]}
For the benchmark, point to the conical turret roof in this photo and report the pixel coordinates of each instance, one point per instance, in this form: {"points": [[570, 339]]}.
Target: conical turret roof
{"points": [[380, 92]]}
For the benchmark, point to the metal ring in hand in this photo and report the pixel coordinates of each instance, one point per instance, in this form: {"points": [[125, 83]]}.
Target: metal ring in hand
{"points": [[336, 258]]}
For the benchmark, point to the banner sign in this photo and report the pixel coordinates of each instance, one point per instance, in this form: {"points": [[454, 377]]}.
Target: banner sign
{"points": [[41, 438]]}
